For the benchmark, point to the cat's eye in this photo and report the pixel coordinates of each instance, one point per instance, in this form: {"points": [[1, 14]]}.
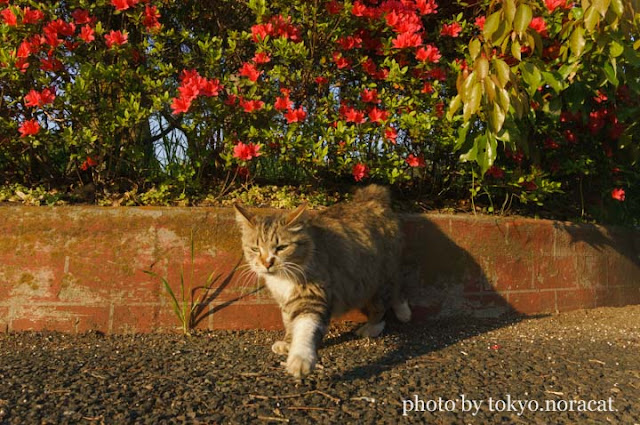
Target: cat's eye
{"points": [[281, 247], [255, 249]]}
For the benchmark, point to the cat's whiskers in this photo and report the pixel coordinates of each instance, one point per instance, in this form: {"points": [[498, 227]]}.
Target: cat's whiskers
{"points": [[295, 269], [247, 276]]}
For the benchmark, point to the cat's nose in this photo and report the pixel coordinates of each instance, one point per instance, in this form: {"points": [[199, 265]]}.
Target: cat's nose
{"points": [[268, 263]]}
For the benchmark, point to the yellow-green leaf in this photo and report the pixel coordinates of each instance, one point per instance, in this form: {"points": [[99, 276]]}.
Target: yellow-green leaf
{"points": [[482, 68], [523, 17], [491, 24], [577, 42], [503, 71], [474, 48]]}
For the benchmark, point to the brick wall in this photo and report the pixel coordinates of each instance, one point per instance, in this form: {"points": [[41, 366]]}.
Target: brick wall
{"points": [[75, 269]]}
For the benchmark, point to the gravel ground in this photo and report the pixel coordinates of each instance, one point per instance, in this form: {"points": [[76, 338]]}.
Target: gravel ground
{"points": [[576, 363]]}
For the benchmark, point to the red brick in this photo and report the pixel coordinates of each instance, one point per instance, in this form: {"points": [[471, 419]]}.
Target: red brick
{"points": [[592, 271], [622, 271], [4, 319], [63, 318], [555, 272], [532, 302], [247, 316], [574, 299], [511, 273], [491, 304]]}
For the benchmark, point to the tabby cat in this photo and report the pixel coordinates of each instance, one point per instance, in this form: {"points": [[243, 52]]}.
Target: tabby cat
{"points": [[322, 265]]}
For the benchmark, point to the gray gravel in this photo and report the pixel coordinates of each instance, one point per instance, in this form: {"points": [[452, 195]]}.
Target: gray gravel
{"points": [[511, 368]]}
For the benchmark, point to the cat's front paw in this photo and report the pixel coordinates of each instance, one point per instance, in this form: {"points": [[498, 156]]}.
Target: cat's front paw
{"points": [[300, 366], [280, 347]]}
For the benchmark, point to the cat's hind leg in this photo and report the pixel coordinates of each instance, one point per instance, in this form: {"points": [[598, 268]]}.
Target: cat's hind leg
{"points": [[374, 309], [282, 347]]}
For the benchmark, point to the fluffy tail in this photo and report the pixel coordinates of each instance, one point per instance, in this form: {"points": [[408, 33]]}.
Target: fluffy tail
{"points": [[373, 192]]}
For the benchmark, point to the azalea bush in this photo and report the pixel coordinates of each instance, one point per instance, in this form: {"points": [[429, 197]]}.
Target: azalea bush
{"points": [[505, 104]]}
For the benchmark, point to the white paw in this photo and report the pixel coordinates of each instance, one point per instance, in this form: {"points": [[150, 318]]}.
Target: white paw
{"points": [[300, 366], [280, 347], [370, 331], [402, 311]]}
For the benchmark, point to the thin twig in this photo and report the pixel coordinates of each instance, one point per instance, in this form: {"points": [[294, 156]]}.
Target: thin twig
{"points": [[325, 409], [273, 418]]}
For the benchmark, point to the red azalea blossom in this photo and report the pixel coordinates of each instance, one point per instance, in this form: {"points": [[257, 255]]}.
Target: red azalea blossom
{"points": [[495, 171], [340, 61], [391, 134], [246, 152], [151, 16], [295, 115], [124, 4], [30, 16], [427, 7], [250, 71], [415, 161], [50, 64], [251, 105], [334, 7], [38, 99], [618, 194], [378, 115], [551, 144], [452, 30], [358, 9], [9, 17], [539, 25], [81, 16], [427, 88], [321, 80], [88, 163], [283, 103], [479, 22], [529, 186], [429, 53], [22, 64], [211, 87], [407, 40], [24, 50], [350, 42], [29, 128], [554, 4], [261, 57], [353, 115], [369, 96], [87, 34], [117, 38], [360, 171], [180, 105]]}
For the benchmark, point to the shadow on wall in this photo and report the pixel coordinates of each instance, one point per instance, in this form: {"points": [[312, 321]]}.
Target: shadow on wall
{"points": [[445, 283]]}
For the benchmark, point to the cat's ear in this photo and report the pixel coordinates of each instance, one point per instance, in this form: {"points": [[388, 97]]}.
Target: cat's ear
{"points": [[294, 219], [243, 216]]}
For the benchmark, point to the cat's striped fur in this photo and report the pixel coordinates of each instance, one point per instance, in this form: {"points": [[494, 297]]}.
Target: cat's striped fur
{"points": [[322, 265]]}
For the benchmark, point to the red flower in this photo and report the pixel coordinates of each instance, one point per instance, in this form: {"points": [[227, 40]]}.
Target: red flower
{"points": [[429, 53], [391, 134], [321, 80], [554, 4], [246, 152], [353, 115], [29, 128], [295, 115], [479, 22], [378, 115], [495, 172], [22, 64], [261, 57], [439, 109], [539, 25], [24, 50], [261, 31], [427, 88], [618, 194], [116, 38], [452, 30], [333, 7], [50, 64], [250, 71], [551, 144], [407, 39], [9, 17], [87, 34], [427, 7], [81, 16], [283, 103], [88, 163], [360, 171], [35, 98], [180, 105], [251, 105], [124, 4], [151, 16], [340, 61], [370, 96], [30, 16], [415, 161], [210, 88], [358, 9]]}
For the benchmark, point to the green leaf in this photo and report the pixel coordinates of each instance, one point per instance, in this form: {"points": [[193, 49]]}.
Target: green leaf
{"points": [[491, 24], [615, 49], [618, 7], [553, 81], [473, 101], [455, 104], [474, 48], [591, 19], [577, 42], [601, 6], [503, 71], [523, 17], [610, 71], [496, 118], [516, 51]]}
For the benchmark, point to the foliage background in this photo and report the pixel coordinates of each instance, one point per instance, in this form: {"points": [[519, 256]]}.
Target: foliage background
{"points": [[526, 106]]}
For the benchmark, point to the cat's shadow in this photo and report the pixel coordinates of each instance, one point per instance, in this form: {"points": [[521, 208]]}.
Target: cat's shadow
{"points": [[452, 300]]}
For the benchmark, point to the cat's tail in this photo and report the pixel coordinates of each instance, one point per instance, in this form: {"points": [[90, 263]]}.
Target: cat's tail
{"points": [[373, 192]]}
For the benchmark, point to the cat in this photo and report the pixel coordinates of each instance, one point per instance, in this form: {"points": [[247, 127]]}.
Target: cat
{"points": [[322, 265]]}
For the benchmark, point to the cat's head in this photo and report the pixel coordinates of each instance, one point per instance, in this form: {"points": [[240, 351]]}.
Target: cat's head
{"points": [[277, 244]]}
